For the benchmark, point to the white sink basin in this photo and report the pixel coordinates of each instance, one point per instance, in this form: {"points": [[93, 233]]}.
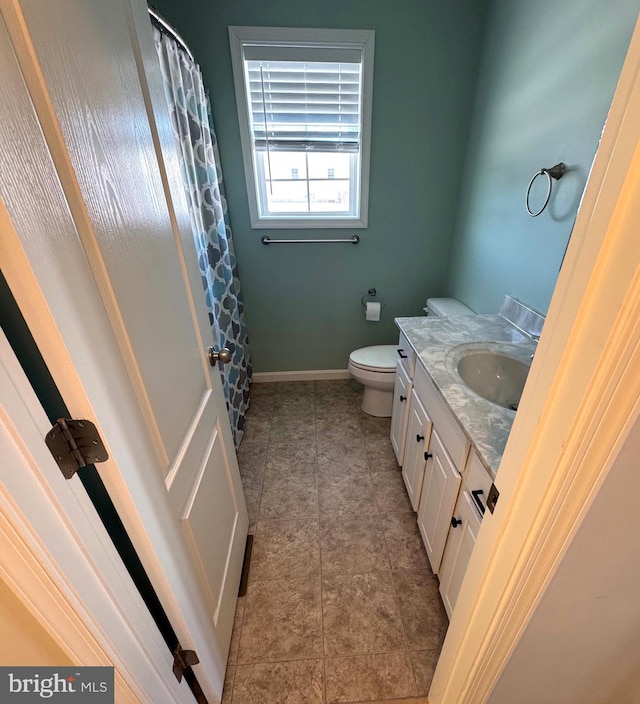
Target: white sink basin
{"points": [[494, 375]]}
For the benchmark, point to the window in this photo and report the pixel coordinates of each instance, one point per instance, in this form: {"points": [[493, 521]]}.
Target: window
{"points": [[304, 107]]}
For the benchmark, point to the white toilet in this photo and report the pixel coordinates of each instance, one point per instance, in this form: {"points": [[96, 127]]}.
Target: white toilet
{"points": [[375, 367]]}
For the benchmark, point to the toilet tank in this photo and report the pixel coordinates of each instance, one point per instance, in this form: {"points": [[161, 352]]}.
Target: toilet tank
{"points": [[443, 307]]}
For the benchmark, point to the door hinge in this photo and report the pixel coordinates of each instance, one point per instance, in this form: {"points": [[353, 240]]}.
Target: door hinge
{"points": [[182, 659], [74, 444]]}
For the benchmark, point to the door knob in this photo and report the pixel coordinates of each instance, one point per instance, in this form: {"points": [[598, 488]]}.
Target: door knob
{"points": [[223, 356]]}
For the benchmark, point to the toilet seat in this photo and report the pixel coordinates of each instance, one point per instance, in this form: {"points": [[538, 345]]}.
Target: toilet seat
{"points": [[379, 358]]}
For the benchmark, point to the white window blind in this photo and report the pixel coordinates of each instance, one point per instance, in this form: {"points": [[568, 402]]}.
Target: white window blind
{"points": [[305, 105]]}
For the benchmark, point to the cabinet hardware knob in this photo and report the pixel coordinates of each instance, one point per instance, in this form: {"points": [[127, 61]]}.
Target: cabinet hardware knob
{"points": [[401, 354], [428, 455], [419, 437], [403, 399], [455, 522]]}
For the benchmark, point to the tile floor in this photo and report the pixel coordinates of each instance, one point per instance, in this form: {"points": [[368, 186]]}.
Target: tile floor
{"points": [[342, 605]]}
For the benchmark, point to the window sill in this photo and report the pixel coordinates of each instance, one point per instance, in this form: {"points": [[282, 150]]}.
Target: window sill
{"points": [[307, 224]]}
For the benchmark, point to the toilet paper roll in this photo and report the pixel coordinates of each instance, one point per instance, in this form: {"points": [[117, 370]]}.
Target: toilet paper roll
{"points": [[373, 311]]}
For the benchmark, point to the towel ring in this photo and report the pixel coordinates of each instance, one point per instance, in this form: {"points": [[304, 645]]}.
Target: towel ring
{"points": [[555, 172]]}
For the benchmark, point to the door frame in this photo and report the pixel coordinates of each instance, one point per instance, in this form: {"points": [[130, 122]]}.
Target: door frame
{"points": [[578, 408], [69, 575]]}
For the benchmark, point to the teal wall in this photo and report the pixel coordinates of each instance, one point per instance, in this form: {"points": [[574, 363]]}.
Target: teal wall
{"points": [[548, 73], [303, 302]]}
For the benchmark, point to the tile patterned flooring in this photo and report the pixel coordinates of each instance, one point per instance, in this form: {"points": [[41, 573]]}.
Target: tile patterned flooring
{"points": [[342, 605]]}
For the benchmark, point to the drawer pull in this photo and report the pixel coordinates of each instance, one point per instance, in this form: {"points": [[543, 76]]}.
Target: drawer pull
{"points": [[403, 399], [476, 497], [401, 354], [428, 455], [455, 522], [419, 437]]}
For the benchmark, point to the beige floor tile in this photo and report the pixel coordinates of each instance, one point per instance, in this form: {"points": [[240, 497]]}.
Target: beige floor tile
{"points": [[338, 457], [360, 614], [344, 426], [391, 495], [298, 682], [424, 665], [261, 405], [251, 454], [291, 459], [351, 494], [404, 542], [380, 454], [328, 406], [369, 678], [281, 621], [352, 545], [296, 406], [286, 549], [296, 388], [289, 497], [423, 615], [373, 426], [289, 429], [257, 430], [336, 387], [262, 389]]}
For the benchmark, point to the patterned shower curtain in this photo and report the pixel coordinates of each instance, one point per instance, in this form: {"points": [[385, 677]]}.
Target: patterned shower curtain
{"points": [[197, 147]]}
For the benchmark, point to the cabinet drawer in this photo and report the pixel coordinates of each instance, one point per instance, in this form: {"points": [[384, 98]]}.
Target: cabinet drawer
{"points": [[406, 356], [450, 432]]}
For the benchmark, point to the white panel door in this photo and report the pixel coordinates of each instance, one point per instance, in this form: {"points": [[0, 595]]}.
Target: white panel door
{"points": [[97, 248], [415, 455], [439, 493]]}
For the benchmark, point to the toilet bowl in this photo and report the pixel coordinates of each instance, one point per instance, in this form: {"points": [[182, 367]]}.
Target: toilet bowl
{"points": [[375, 368]]}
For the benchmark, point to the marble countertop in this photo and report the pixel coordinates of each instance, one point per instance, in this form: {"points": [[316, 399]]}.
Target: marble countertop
{"points": [[439, 343]]}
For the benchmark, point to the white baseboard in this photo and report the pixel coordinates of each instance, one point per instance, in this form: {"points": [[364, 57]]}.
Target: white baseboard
{"points": [[307, 375]]}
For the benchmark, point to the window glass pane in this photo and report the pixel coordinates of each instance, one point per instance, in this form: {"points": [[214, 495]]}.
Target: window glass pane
{"points": [[287, 197], [321, 164], [283, 165], [329, 196]]}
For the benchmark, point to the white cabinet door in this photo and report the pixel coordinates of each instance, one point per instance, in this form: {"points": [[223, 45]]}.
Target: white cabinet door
{"points": [[462, 538], [400, 412], [439, 494], [416, 443]]}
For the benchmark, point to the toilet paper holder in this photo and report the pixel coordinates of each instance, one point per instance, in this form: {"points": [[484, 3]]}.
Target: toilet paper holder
{"points": [[372, 294]]}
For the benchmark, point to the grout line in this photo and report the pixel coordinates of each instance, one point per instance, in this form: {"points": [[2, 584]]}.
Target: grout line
{"points": [[322, 644]]}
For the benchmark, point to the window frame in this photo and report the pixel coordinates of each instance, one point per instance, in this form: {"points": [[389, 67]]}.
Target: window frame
{"points": [[364, 41]]}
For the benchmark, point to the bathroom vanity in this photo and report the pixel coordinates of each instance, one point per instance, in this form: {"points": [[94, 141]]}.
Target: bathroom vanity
{"points": [[448, 438]]}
